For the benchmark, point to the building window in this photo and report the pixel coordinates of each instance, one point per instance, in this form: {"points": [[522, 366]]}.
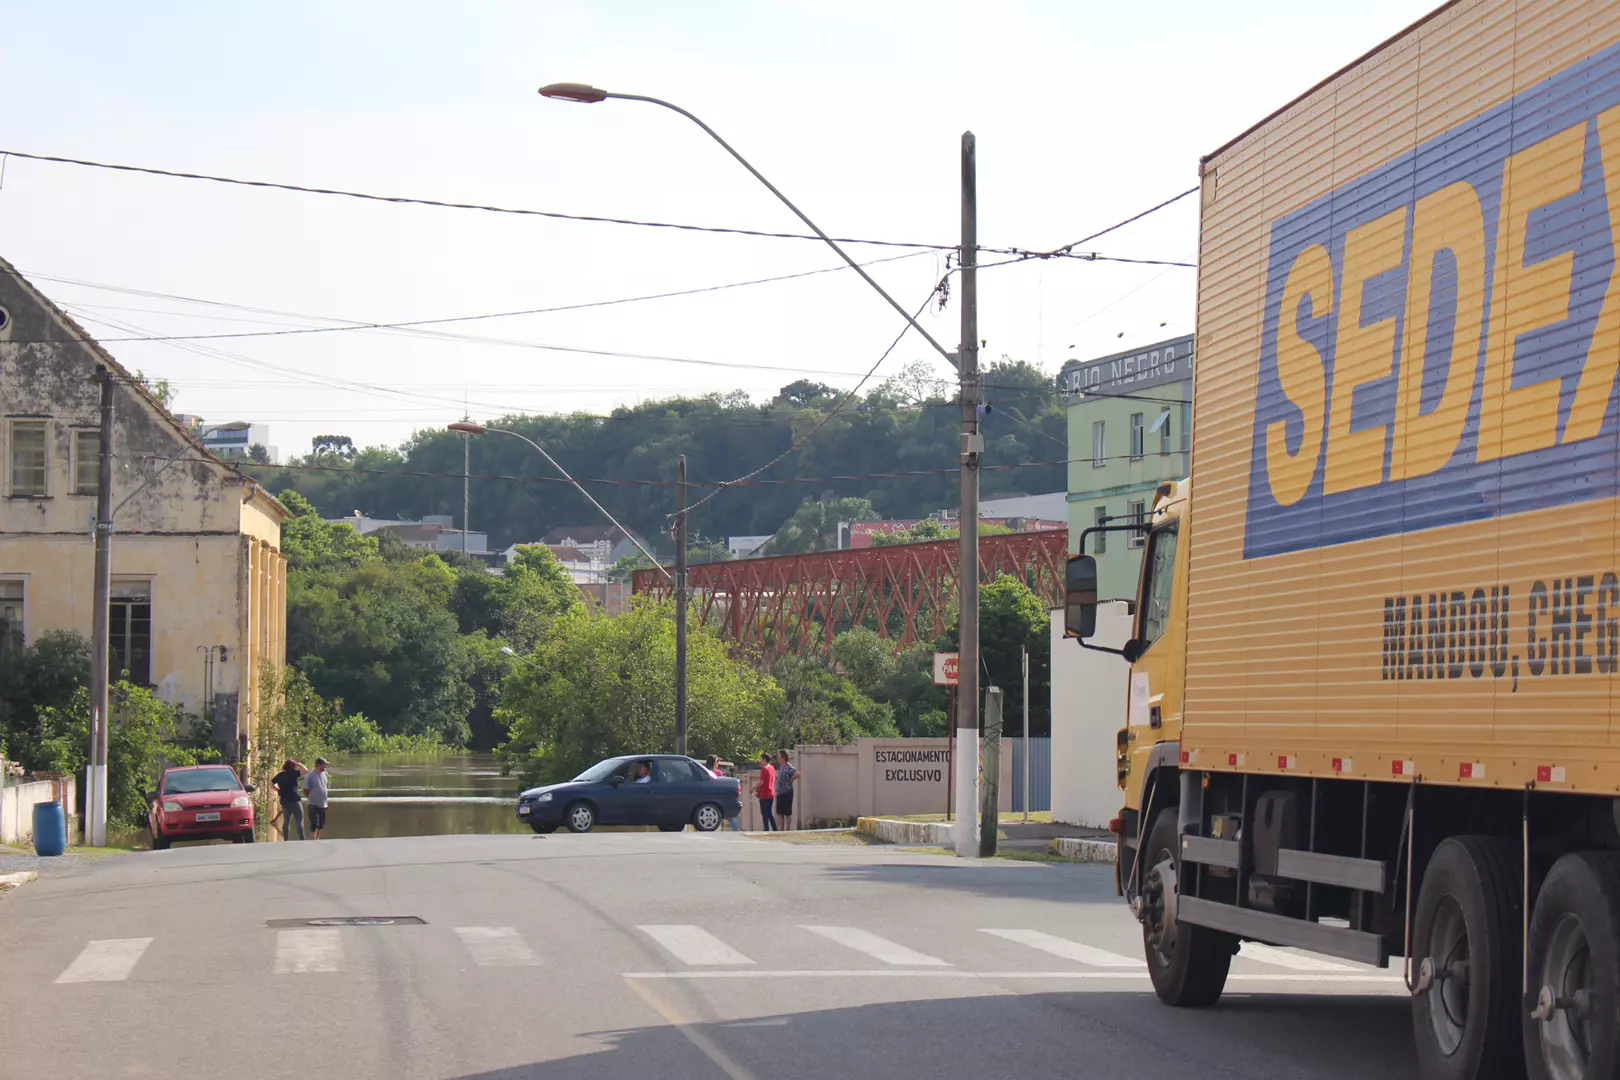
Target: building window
{"points": [[1099, 445], [1137, 513], [1102, 538], [1164, 432], [11, 618], [129, 645], [1136, 436], [86, 462], [28, 457]]}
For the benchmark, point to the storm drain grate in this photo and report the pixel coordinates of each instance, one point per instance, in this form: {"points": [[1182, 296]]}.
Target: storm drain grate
{"points": [[348, 920]]}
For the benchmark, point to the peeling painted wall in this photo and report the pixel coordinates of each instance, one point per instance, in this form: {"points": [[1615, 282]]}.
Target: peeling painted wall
{"points": [[205, 538]]}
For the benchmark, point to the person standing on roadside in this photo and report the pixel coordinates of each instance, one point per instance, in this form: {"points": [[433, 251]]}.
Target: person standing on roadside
{"points": [[292, 810], [787, 777], [713, 765], [315, 788], [765, 791]]}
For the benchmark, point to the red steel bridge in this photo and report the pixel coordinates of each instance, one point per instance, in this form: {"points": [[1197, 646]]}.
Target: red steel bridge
{"points": [[796, 603]]}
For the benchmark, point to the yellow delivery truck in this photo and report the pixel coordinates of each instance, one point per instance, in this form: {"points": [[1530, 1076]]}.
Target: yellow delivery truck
{"points": [[1373, 702]]}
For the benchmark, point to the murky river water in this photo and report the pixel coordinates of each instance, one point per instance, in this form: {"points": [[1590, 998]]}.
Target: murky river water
{"points": [[420, 795]]}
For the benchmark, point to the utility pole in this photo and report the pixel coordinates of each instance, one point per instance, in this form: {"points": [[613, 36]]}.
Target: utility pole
{"points": [[966, 763], [680, 605], [95, 806], [466, 484], [1027, 743]]}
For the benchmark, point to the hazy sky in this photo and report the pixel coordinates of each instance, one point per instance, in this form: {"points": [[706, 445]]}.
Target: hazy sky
{"points": [[1085, 112]]}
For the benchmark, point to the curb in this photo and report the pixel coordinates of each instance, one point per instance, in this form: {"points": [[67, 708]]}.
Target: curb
{"points": [[912, 833], [1081, 850]]}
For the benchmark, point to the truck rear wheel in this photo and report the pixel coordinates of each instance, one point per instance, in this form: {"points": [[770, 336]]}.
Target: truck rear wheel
{"points": [[1572, 1032], [1188, 964], [1465, 943]]}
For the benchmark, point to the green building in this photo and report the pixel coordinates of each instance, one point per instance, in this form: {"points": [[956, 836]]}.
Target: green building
{"points": [[1130, 417]]}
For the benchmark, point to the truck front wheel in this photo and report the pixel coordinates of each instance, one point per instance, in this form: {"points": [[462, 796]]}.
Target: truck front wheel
{"points": [[1465, 1010], [1572, 1031], [1188, 964]]}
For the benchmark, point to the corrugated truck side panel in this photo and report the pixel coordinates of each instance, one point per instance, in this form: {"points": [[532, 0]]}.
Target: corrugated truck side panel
{"points": [[1410, 564]]}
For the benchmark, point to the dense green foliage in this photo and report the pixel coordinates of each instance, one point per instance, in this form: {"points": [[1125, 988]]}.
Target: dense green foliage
{"points": [[907, 425], [358, 735], [932, 529], [600, 685], [405, 637]]}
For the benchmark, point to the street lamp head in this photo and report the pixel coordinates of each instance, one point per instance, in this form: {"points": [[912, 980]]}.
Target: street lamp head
{"points": [[466, 427], [507, 649], [584, 93]]}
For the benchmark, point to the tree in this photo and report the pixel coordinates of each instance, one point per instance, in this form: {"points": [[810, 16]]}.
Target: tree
{"points": [[338, 446], [1012, 617], [932, 529], [814, 525], [160, 389], [46, 675], [600, 685], [312, 544], [821, 707]]}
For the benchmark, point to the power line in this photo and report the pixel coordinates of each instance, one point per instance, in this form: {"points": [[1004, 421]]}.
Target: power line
{"points": [[1121, 224], [447, 205]]}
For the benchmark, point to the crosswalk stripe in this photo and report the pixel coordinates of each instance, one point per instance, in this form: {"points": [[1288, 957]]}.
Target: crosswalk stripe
{"points": [[1285, 958], [497, 946], [299, 952], [110, 960], [876, 947], [1069, 950], [694, 945]]}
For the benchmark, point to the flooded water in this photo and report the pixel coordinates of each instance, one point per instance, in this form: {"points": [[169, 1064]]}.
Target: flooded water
{"points": [[420, 795]]}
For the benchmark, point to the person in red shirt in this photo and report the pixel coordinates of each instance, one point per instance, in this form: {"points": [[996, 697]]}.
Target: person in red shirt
{"points": [[765, 791]]}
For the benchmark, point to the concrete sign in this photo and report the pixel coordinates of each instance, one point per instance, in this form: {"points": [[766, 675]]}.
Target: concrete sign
{"points": [[1126, 372], [945, 668]]}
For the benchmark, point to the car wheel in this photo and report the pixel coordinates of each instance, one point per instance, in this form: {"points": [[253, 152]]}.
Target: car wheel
{"points": [[160, 842], [246, 837], [543, 830], [580, 817], [707, 818]]}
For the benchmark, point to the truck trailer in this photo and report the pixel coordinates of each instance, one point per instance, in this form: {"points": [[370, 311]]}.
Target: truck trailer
{"points": [[1373, 705]]}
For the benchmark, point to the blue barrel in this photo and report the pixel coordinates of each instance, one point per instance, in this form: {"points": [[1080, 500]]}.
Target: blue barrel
{"points": [[50, 828]]}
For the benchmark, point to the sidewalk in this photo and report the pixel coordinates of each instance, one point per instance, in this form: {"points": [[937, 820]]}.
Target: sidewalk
{"points": [[1072, 842]]}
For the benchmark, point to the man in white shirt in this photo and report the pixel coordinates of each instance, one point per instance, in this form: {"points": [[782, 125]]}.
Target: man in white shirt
{"points": [[315, 788]]}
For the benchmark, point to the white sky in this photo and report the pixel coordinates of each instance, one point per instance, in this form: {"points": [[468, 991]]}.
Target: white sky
{"points": [[1085, 112]]}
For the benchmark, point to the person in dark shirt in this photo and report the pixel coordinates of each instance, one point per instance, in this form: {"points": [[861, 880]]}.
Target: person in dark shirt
{"points": [[286, 783]]}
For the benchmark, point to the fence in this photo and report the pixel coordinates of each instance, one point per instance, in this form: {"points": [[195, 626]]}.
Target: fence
{"points": [[1040, 772]]}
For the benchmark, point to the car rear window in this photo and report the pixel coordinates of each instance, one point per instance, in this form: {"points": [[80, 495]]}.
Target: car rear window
{"points": [[183, 783]]}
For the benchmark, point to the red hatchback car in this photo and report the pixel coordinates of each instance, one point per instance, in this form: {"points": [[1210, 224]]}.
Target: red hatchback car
{"points": [[201, 802]]}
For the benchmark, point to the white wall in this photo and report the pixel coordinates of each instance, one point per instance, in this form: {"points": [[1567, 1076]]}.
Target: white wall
{"points": [[17, 807], [1088, 708]]}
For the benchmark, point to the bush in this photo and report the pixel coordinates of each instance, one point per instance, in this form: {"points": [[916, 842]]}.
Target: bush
{"points": [[358, 735]]}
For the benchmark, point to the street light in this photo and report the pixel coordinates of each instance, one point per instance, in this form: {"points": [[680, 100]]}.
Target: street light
{"points": [[966, 362], [507, 650], [467, 427]]}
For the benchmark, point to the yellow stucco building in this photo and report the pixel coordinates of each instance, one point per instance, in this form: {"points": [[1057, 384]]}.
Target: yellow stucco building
{"points": [[198, 578]]}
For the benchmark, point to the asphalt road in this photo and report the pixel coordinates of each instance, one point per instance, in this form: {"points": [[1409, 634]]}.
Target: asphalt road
{"points": [[677, 957]]}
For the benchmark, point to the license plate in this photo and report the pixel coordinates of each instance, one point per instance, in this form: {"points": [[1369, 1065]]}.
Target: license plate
{"points": [[208, 817], [523, 811]]}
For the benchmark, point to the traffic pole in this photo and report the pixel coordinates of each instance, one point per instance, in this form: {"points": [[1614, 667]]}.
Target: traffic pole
{"points": [[680, 605], [965, 763], [95, 803]]}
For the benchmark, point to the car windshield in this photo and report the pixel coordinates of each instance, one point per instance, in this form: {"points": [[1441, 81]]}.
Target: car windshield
{"points": [[193, 780], [601, 770]]}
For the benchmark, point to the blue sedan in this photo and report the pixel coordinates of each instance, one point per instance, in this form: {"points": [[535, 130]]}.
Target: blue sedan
{"points": [[666, 790]]}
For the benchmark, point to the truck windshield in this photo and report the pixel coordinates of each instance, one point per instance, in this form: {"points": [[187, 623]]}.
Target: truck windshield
{"points": [[1156, 595]]}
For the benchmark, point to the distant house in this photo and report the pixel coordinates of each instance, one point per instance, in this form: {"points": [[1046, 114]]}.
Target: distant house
{"points": [[583, 567], [741, 547], [434, 532], [606, 543]]}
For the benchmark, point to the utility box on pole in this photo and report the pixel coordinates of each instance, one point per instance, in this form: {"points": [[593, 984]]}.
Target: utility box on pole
{"points": [[990, 782]]}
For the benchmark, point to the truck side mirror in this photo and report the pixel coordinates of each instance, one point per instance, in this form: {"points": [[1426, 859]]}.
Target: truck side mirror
{"points": [[1080, 597]]}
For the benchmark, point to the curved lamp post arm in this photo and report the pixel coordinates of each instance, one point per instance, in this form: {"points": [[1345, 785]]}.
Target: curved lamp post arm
{"points": [[590, 94], [479, 429]]}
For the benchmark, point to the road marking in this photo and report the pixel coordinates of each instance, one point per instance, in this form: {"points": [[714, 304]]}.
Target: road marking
{"points": [[710, 1049], [1069, 950], [497, 946], [877, 948], [299, 952], [694, 945], [110, 960], [1286, 958]]}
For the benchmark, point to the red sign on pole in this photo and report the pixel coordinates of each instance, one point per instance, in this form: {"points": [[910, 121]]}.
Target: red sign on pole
{"points": [[945, 668]]}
